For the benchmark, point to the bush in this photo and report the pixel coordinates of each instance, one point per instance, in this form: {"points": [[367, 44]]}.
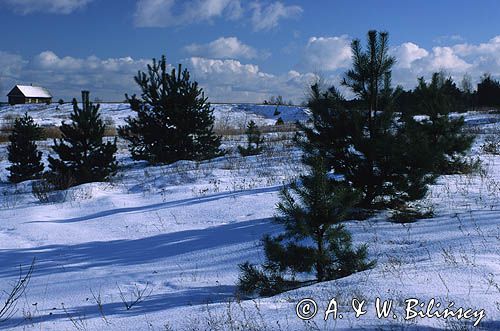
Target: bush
{"points": [[491, 146], [254, 145], [45, 191]]}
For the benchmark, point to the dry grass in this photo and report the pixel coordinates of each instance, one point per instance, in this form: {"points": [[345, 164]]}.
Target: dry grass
{"points": [[226, 131], [53, 131], [49, 132]]}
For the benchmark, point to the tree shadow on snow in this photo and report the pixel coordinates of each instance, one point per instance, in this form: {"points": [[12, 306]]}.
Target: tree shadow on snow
{"points": [[164, 205], [79, 257], [191, 297]]}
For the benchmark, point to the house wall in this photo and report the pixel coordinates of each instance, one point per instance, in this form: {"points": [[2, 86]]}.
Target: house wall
{"points": [[17, 100]]}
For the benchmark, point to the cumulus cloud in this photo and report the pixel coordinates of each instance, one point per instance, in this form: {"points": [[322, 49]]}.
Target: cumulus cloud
{"points": [[225, 48], [66, 76], [224, 80], [407, 53], [164, 13], [333, 56], [326, 54], [267, 17], [233, 81], [25, 7], [227, 79]]}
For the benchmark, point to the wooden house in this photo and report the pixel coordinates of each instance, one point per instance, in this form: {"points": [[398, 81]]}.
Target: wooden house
{"points": [[22, 94]]}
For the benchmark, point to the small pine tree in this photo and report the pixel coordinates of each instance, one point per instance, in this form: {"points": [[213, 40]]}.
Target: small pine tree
{"points": [[314, 238], [61, 102], [279, 121], [23, 152], [254, 145], [174, 120], [83, 157]]}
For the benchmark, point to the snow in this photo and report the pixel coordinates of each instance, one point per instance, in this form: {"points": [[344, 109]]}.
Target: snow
{"points": [[178, 232], [227, 115]]}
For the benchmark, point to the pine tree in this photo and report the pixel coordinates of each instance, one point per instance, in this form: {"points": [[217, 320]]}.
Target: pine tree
{"points": [[254, 144], [23, 152], [488, 91], [389, 157], [314, 239], [437, 100], [174, 119], [368, 77], [83, 156]]}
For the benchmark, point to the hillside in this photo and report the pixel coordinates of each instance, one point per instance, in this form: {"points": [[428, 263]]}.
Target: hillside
{"points": [[173, 236]]}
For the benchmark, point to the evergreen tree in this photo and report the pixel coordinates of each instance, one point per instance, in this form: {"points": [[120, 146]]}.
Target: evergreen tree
{"points": [[387, 157], [467, 92], [488, 91], [444, 134], [23, 152], [83, 156], [254, 144], [314, 238], [174, 120]]}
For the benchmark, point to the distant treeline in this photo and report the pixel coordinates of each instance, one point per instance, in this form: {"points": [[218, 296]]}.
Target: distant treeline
{"points": [[460, 98]]}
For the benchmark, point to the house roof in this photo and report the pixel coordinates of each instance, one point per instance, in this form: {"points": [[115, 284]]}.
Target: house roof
{"points": [[32, 91]]}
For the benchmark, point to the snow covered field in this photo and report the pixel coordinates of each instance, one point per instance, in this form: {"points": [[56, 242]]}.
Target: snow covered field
{"points": [[226, 114], [177, 233]]}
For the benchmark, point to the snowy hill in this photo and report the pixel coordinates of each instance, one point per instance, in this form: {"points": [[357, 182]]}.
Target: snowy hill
{"points": [[173, 236], [233, 115]]}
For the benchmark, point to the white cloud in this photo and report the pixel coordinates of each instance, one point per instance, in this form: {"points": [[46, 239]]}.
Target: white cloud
{"points": [[225, 48], [267, 17], [25, 7], [444, 58], [164, 13], [407, 53], [332, 56], [226, 79], [233, 81], [326, 54], [11, 66], [448, 38], [66, 76]]}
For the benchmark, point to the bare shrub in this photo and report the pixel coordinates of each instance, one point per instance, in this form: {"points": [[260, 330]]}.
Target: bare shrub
{"points": [[9, 307], [48, 191], [491, 145], [79, 322], [98, 301], [138, 295]]}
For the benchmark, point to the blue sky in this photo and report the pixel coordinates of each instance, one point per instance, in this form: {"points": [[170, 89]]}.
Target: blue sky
{"points": [[238, 50]]}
